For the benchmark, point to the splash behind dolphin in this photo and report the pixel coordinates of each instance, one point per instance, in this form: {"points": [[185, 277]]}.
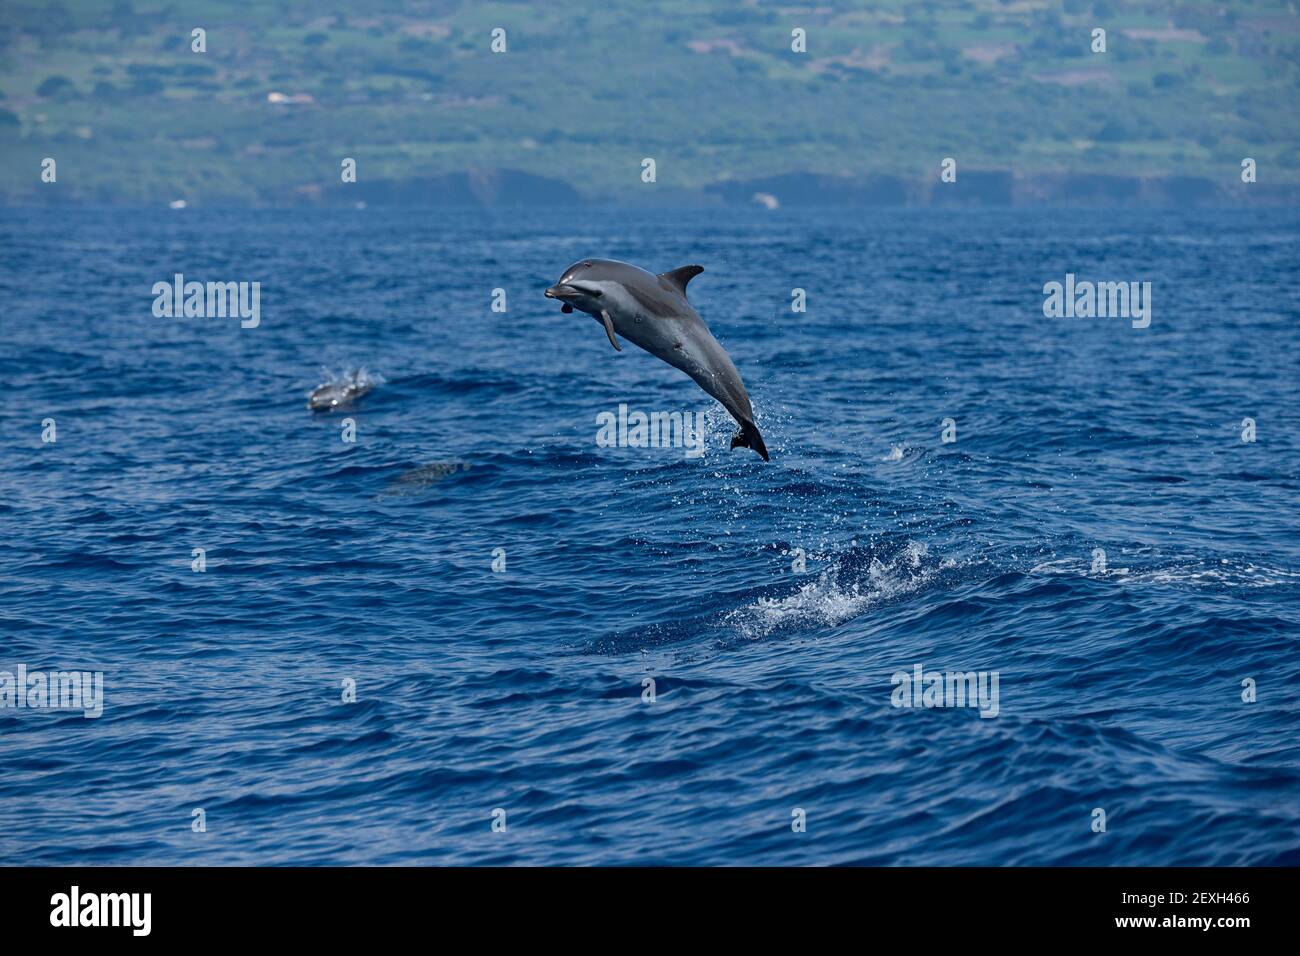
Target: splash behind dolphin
{"points": [[651, 311]]}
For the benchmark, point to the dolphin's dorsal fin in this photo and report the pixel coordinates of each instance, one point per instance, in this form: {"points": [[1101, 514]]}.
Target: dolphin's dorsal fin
{"points": [[678, 277]]}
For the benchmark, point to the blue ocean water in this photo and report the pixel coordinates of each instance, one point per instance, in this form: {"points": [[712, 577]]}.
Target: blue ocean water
{"points": [[1120, 679]]}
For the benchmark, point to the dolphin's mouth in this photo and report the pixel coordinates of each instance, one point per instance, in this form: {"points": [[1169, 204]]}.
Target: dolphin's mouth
{"points": [[563, 291]]}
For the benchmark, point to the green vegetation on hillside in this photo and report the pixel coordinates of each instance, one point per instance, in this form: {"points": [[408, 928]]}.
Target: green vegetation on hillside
{"points": [[711, 91]]}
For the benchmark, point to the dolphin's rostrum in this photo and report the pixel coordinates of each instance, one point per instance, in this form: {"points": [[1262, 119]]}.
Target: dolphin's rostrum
{"points": [[651, 311]]}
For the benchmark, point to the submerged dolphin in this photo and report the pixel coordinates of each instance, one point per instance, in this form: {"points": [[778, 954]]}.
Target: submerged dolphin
{"points": [[651, 311]]}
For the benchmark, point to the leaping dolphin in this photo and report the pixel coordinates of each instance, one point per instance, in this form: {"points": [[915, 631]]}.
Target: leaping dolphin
{"points": [[651, 311]]}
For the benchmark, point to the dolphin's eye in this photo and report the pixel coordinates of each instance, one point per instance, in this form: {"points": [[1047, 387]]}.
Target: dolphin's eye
{"points": [[587, 265]]}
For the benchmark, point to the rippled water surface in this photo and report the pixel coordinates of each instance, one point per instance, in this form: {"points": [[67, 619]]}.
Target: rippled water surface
{"points": [[1120, 673]]}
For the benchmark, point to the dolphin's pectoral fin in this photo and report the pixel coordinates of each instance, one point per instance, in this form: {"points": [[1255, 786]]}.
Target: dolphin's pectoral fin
{"points": [[566, 308], [609, 330]]}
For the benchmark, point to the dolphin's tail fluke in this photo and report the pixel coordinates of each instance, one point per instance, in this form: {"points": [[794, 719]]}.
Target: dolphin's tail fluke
{"points": [[748, 437]]}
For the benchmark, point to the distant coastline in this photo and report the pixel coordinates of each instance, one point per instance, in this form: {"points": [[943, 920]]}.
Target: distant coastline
{"points": [[513, 187]]}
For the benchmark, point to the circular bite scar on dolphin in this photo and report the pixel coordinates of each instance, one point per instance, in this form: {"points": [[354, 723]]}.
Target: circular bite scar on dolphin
{"points": [[651, 311]]}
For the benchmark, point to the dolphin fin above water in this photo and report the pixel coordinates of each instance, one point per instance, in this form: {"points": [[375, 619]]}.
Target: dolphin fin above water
{"points": [[678, 277], [652, 312], [748, 437], [609, 330]]}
